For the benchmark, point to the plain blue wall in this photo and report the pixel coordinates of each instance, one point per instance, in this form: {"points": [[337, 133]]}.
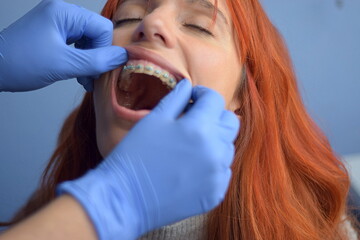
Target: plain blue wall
{"points": [[323, 40]]}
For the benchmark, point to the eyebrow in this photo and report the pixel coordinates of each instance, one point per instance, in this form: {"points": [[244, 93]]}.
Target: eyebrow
{"points": [[203, 3], [209, 5]]}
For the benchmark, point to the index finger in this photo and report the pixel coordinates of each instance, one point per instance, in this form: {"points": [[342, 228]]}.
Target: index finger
{"points": [[85, 24], [207, 104]]}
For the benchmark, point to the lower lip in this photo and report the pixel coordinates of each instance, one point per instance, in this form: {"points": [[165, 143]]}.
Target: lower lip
{"points": [[123, 112]]}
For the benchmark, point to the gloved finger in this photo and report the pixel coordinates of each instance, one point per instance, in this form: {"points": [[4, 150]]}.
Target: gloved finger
{"points": [[228, 152], [207, 104], [218, 189], [228, 156], [230, 125], [90, 25], [174, 103], [92, 62]]}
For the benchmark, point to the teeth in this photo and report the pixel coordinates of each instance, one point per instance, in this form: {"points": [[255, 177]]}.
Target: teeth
{"points": [[148, 70], [163, 75], [157, 73], [139, 68]]}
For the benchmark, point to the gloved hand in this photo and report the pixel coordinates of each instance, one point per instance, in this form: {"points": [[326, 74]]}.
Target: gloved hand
{"points": [[34, 50], [167, 168]]}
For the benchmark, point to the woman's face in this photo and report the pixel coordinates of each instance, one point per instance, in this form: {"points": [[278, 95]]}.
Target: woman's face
{"points": [[167, 40]]}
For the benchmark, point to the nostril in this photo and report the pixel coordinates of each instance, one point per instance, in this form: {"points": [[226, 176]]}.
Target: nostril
{"points": [[141, 35], [153, 30], [160, 36], [155, 35]]}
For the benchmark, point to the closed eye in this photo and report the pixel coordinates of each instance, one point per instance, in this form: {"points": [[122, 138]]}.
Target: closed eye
{"points": [[199, 28], [126, 21]]}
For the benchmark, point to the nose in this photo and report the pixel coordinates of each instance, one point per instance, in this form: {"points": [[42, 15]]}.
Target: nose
{"points": [[157, 28]]}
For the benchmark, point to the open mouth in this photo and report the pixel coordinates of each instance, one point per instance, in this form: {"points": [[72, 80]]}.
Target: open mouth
{"points": [[142, 84], [139, 85]]}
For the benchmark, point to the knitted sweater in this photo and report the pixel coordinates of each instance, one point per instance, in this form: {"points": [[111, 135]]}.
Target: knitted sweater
{"points": [[194, 228]]}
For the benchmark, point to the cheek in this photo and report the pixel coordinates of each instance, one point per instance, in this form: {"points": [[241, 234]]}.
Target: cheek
{"points": [[217, 70], [122, 37], [101, 105], [108, 130]]}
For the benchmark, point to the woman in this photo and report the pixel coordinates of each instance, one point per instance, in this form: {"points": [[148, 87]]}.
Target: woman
{"points": [[287, 182]]}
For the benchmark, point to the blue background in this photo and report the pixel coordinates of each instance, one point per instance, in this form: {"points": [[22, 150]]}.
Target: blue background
{"points": [[323, 38]]}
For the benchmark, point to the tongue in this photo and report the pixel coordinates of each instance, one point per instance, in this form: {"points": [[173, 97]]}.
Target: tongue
{"points": [[142, 91]]}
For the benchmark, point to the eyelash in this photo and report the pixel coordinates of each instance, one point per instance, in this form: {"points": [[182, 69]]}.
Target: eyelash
{"points": [[125, 21], [199, 28]]}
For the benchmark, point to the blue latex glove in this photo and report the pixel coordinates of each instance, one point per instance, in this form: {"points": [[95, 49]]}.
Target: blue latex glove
{"points": [[166, 169], [34, 50]]}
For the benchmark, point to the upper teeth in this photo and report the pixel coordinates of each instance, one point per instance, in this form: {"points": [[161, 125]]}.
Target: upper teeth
{"points": [[167, 78]]}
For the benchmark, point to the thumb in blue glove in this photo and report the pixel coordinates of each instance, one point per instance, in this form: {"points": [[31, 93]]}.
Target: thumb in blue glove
{"points": [[169, 167], [35, 51]]}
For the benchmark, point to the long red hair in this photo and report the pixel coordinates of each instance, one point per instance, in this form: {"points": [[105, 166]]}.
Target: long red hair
{"points": [[287, 182]]}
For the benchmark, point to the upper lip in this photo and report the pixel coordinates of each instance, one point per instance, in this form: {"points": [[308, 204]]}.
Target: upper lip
{"points": [[140, 53]]}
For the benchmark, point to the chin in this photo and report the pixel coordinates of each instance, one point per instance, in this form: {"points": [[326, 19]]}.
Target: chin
{"points": [[107, 140]]}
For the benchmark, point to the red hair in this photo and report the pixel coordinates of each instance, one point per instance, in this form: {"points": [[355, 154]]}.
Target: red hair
{"points": [[287, 182]]}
